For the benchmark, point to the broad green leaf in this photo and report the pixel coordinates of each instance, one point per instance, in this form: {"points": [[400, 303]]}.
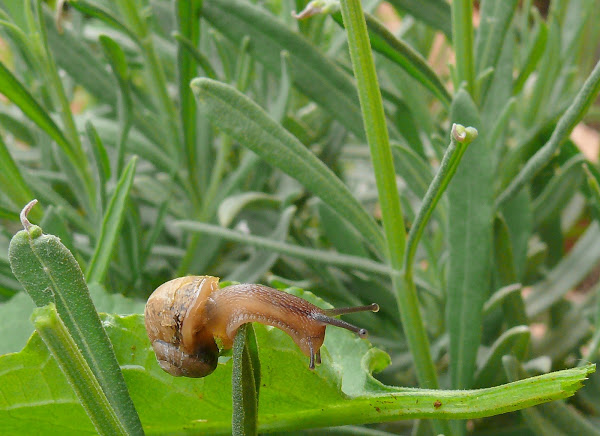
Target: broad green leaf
{"points": [[341, 390], [245, 121], [470, 196], [111, 226], [312, 73], [16, 327]]}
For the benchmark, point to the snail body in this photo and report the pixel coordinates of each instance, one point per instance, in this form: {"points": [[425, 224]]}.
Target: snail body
{"points": [[185, 315]]}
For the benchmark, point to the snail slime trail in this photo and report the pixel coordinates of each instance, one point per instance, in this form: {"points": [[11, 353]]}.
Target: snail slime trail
{"points": [[185, 315]]}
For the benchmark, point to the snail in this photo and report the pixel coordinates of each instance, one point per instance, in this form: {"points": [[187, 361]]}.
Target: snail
{"points": [[184, 316]]}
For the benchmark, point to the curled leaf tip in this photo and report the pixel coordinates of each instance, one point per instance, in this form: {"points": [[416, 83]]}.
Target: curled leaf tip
{"points": [[459, 132], [464, 134], [316, 7], [25, 212]]}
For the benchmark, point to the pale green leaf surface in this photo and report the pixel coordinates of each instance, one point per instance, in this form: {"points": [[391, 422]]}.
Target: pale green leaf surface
{"points": [[33, 391], [16, 328]]}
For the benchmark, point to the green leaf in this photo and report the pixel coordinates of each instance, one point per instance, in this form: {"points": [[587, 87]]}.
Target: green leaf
{"points": [[567, 274], [534, 53], [72, 54], [559, 190], [245, 121], [12, 182], [343, 237], [78, 373], [532, 416], [198, 57], [111, 226], [232, 206], [470, 246], [118, 63], [262, 260], [16, 92], [49, 273], [512, 341], [105, 16], [312, 73], [495, 19], [462, 40], [341, 390], [413, 169], [188, 23], [565, 125], [398, 51], [325, 256], [435, 13]]}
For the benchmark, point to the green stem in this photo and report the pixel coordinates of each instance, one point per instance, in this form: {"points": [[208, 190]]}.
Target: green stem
{"points": [[462, 39], [72, 363], [245, 383], [393, 221], [188, 23], [460, 138], [565, 125], [326, 257]]}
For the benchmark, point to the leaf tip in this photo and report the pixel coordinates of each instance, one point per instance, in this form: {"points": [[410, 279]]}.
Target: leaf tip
{"points": [[23, 216], [199, 84], [464, 135]]}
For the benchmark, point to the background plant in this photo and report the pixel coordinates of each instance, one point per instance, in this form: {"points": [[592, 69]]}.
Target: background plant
{"points": [[214, 191]]}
